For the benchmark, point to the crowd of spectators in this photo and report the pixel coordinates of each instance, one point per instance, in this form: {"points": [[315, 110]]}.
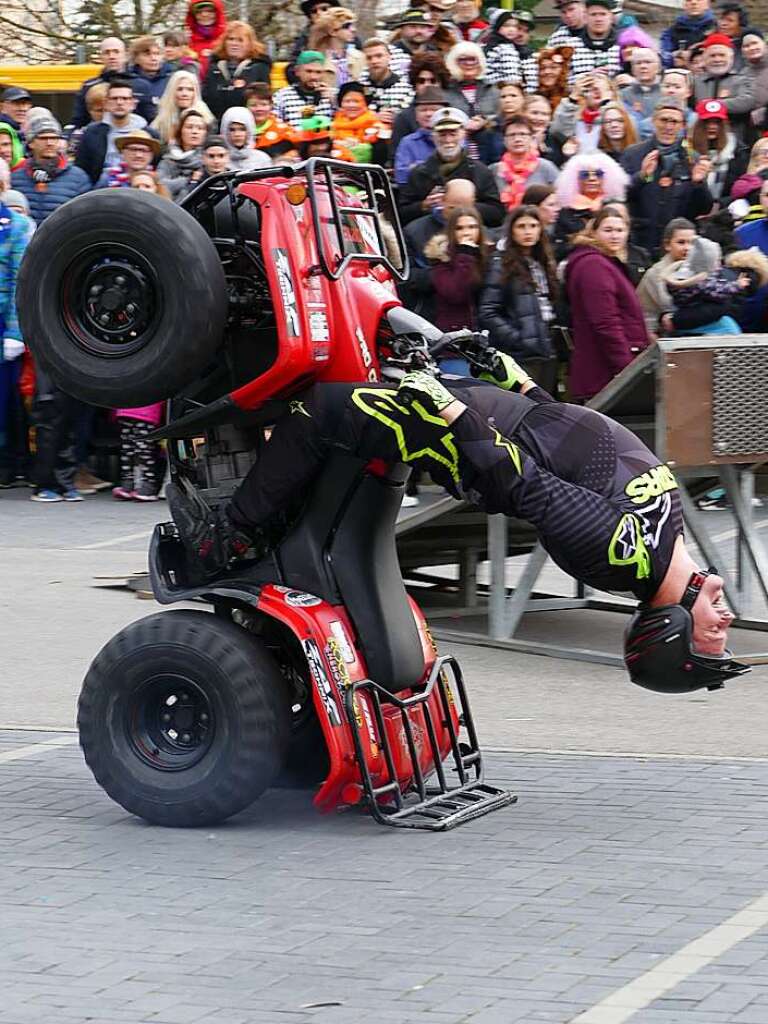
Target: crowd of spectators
{"points": [[576, 199]]}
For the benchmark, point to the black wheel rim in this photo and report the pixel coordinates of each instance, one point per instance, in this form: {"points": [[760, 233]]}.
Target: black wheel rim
{"points": [[170, 723], [111, 300]]}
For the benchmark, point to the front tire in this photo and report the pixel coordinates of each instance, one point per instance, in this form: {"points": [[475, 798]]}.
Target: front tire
{"points": [[184, 719]]}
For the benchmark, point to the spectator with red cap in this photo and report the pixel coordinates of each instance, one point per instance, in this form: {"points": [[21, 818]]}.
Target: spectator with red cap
{"points": [[712, 137], [720, 81]]}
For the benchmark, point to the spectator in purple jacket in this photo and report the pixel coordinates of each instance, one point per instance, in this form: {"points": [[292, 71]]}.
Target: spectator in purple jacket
{"points": [[607, 322]]}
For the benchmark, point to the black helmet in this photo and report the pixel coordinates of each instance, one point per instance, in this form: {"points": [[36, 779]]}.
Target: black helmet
{"points": [[659, 652]]}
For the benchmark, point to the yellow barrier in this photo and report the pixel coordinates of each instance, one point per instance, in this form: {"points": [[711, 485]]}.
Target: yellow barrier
{"points": [[69, 77]]}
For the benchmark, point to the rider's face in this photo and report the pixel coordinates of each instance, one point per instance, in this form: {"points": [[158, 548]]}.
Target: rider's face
{"points": [[711, 617]]}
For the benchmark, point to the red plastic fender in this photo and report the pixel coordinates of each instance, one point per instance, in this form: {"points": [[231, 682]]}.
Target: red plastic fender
{"points": [[327, 639]]}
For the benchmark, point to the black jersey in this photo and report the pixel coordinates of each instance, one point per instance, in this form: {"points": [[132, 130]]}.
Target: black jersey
{"points": [[604, 507]]}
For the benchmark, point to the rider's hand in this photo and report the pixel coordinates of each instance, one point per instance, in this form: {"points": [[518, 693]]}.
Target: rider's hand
{"points": [[505, 372], [422, 387]]}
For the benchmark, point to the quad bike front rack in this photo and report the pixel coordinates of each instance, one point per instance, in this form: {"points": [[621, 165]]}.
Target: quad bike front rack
{"points": [[435, 807]]}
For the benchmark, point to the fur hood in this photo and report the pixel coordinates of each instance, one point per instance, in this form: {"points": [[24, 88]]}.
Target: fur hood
{"points": [[586, 241], [436, 249], [750, 259]]}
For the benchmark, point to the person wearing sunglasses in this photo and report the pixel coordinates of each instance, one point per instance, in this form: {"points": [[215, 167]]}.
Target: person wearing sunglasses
{"points": [[471, 92], [582, 186], [426, 71], [333, 35], [311, 9]]}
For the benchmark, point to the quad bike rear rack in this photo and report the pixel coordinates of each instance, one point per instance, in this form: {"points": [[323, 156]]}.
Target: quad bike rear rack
{"points": [[435, 808]]}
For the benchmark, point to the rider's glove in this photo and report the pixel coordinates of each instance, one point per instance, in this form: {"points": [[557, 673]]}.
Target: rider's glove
{"points": [[505, 372], [422, 387]]}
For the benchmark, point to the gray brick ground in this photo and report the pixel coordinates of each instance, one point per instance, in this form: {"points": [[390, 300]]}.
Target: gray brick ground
{"points": [[605, 867]]}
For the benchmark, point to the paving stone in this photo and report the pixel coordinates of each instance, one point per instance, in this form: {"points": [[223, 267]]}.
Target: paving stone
{"points": [[531, 914]]}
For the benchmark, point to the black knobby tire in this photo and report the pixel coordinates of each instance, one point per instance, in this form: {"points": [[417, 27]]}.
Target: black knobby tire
{"points": [[122, 298], [184, 665]]}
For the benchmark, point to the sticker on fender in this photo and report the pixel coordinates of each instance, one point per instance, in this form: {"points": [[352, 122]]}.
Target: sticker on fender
{"points": [[316, 667]]}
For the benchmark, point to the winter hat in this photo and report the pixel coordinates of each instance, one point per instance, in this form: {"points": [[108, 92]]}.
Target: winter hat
{"points": [[42, 123], [717, 39], [310, 57], [217, 141], [347, 88], [707, 110], [499, 17], [704, 257], [633, 35], [608, 4], [13, 199], [753, 31]]}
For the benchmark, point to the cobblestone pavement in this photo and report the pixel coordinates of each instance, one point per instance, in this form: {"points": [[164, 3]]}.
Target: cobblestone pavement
{"points": [[620, 888], [606, 868]]}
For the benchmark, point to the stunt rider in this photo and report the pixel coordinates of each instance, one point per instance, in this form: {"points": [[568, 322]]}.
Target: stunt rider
{"points": [[605, 509]]}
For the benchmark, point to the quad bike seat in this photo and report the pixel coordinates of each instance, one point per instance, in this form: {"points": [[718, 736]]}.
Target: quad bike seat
{"points": [[343, 549], [364, 561]]}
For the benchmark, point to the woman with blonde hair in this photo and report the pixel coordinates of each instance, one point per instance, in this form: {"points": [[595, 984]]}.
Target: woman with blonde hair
{"points": [[617, 130], [182, 93], [333, 35], [238, 60]]}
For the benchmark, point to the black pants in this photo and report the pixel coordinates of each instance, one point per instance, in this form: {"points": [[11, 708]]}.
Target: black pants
{"points": [[55, 416]]}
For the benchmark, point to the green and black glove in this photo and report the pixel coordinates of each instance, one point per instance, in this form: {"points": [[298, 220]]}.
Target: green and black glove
{"points": [[425, 389], [505, 372]]}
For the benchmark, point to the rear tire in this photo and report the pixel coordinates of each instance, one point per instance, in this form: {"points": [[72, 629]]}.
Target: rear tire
{"points": [[184, 719], [122, 298]]}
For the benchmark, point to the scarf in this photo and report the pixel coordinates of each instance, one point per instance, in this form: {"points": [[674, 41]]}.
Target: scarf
{"points": [[516, 172], [186, 160], [42, 172], [363, 128]]}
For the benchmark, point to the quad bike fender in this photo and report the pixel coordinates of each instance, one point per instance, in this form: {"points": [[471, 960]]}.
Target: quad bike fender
{"points": [[335, 664], [327, 640]]}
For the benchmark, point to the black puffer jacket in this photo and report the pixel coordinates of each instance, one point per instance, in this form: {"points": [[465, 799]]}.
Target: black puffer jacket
{"points": [[510, 311]]}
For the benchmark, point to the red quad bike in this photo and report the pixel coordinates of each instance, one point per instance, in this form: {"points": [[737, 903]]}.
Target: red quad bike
{"points": [[315, 667]]}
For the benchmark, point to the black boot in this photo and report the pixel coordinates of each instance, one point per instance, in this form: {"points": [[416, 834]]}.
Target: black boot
{"points": [[209, 536]]}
